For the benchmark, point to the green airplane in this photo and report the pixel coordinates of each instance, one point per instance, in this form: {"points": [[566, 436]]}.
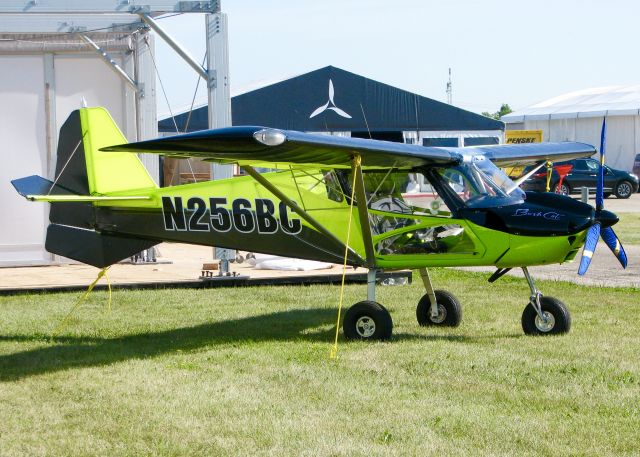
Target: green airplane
{"points": [[373, 204]]}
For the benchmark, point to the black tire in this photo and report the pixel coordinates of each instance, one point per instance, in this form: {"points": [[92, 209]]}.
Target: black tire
{"points": [[560, 323], [449, 310], [606, 194], [623, 189], [367, 320]]}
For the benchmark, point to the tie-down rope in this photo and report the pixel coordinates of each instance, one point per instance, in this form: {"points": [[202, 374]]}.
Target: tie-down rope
{"points": [[334, 349]]}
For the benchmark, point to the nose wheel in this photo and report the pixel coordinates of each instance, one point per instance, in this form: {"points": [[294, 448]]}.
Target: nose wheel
{"points": [[544, 315], [554, 319]]}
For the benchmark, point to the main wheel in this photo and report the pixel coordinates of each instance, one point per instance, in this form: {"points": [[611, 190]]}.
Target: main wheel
{"points": [[367, 320], [449, 310], [623, 189], [558, 319]]}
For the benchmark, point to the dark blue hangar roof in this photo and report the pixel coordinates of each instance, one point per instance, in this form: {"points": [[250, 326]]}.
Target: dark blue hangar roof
{"points": [[331, 99]]}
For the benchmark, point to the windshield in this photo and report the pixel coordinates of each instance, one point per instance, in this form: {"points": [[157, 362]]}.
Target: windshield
{"points": [[479, 183]]}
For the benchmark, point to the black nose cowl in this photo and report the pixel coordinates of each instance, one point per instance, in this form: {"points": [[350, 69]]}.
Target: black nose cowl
{"points": [[606, 218]]}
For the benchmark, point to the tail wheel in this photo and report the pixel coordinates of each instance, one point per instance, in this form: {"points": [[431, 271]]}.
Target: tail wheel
{"points": [[367, 320], [449, 310], [557, 319]]}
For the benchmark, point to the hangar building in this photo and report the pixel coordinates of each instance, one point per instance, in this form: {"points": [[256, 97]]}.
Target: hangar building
{"points": [[334, 101], [577, 116]]}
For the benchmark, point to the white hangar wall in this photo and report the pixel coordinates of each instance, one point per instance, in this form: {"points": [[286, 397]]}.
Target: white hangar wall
{"points": [[623, 135], [578, 115], [37, 93]]}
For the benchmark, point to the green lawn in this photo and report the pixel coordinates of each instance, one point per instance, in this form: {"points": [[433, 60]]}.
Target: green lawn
{"points": [[628, 229], [246, 372]]}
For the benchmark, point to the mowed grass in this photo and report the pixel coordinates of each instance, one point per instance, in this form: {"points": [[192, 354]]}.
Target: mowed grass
{"points": [[628, 229], [247, 372]]}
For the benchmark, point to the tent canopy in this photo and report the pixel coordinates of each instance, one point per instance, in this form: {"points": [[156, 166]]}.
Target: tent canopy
{"points": [[331, 99], [596, 102]]}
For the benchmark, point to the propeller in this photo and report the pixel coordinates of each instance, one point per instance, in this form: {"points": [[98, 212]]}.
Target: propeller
{"points": [[603, 219]]}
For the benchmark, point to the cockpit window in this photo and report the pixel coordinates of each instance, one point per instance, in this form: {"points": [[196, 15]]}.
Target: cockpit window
{"points": [[479, 183]]}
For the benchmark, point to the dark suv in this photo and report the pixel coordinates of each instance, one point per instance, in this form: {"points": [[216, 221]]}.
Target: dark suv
{"points": [[584, 173]]}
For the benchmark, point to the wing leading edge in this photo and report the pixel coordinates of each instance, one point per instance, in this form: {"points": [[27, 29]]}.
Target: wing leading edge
{"points": [[507, 155], [259, 145]]}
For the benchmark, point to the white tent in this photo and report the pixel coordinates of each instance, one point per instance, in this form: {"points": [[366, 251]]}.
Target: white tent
{"points": [[577, 116]]}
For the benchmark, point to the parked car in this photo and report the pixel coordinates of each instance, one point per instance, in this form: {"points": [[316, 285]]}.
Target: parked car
{"points": [[584, 173], [636, 165]]}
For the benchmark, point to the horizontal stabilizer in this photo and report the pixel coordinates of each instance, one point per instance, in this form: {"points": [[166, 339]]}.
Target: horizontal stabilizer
{"points": [[36, 188], [90, 247], [81, 198], [37, 185]]}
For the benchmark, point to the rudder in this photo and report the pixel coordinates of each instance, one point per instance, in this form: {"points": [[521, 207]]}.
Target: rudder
{"points": [[109, 172], [84, 170]]}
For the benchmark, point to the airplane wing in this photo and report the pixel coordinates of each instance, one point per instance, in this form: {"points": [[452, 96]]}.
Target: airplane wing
{"points": [[508, 155], [259, 145], [273, 147]]}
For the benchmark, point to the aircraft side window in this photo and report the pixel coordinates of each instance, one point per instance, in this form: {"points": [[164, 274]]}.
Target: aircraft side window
{"points": [[332, 184], [324, 184], [465, 186], [402, 192]]}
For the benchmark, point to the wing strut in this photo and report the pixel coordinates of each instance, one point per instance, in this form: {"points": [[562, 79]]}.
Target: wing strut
{"points": [[295, 207], [363, 212]]}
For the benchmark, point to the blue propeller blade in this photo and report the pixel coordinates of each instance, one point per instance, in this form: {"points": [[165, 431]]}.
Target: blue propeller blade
{"points": [[589, 248], [608, 235], [611, 240], [600, 181]]}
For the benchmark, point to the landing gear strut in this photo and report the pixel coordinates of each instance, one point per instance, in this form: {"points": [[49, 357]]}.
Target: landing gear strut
{"points": [[544, 315], [368, 320]]}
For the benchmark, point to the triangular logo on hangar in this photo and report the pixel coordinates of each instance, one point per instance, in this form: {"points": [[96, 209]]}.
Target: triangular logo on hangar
{"points": [[330, 105]]}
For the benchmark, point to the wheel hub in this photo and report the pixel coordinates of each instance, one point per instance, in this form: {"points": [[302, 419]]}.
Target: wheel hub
{"points": [[442, 315], [624, 189], [365, 326], [546, 323]]}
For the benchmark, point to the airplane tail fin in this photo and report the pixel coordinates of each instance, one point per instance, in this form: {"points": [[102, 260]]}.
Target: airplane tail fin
{"points": [[85, 175], [83, 168]]}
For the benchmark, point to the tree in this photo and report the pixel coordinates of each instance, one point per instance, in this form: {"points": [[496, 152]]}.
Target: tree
{"points": [[504, 110]]}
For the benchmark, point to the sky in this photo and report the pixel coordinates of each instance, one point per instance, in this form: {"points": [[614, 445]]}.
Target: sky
{"points": [[499, 51]]}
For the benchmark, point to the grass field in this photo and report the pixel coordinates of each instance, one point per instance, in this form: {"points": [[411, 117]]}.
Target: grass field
{"points": [[247, 372], [628, 229]]}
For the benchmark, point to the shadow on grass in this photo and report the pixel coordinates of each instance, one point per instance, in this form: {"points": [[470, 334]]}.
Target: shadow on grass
{"points": [[86, 351], [82, 351]]}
